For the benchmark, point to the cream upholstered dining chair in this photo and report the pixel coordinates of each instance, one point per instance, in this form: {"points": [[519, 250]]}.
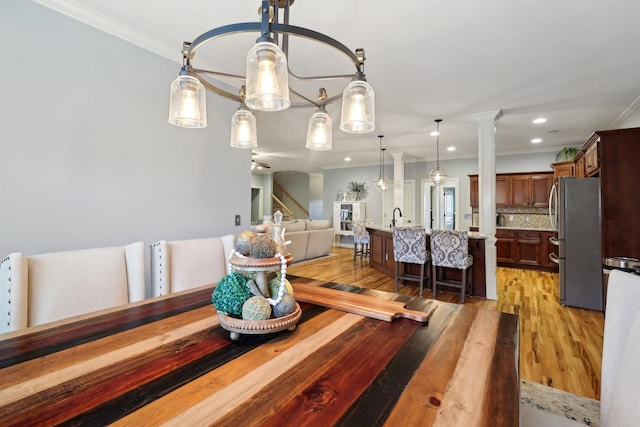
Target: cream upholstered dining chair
{"points": [[410, 247], [450, 249], [178, 265], [38, 289], [361, 240], [619, 401]]}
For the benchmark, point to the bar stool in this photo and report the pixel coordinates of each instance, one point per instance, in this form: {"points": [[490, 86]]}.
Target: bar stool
{"points": [[410, 247], [450, 249], [360, 237]]}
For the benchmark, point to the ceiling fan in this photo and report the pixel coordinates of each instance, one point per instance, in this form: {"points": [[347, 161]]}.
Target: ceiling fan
{"points": [[259, 165]]}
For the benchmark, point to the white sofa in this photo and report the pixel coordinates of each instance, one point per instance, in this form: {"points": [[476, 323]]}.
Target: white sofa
{"points": [[620, 378], [309, 238]]}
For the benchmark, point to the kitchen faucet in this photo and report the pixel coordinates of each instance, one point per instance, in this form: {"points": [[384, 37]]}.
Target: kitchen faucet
{"points": [[393, 220]]}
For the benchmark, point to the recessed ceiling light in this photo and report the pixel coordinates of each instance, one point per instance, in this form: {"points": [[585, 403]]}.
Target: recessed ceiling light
{"points": [[451, 148], [434, 133], [347, 159], [539, 120], [536, 140]]}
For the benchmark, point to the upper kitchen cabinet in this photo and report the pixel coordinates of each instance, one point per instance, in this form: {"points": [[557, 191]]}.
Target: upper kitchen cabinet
{"points": [[520, 190], [540, 188], [592, 156], [503, 190], [563, 169], [473, 191], [580, 164], [517, 190], [531, 190]]}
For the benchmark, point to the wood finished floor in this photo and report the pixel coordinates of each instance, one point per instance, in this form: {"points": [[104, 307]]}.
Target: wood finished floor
{"points": [[559, 346]]}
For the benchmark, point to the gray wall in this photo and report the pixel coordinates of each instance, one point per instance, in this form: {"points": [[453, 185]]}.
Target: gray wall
{"points": [[316, 186], [336, 180], [87, 157], [633, 121], [297, 185]]}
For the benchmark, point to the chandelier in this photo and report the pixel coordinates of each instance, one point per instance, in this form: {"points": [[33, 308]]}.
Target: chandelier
{"points": [[266, 83], [382, 183], [438, 175]]}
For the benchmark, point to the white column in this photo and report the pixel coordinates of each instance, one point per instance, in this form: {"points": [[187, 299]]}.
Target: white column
{"points": [[398, 181], [487, 192]]}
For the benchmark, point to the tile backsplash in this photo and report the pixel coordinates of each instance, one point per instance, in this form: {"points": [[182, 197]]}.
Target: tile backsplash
{"points": [[520, 217]]}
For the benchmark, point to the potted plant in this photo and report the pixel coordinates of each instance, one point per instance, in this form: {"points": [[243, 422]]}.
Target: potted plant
{"points": [[566, 154], [359, 189]]}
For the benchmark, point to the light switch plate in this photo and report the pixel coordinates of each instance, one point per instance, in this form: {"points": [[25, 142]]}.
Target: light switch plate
{"points": [[237, 220]]}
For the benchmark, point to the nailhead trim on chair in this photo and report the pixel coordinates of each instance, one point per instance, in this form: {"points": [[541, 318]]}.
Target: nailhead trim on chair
{"points": [[9, 292], [162, 291]]}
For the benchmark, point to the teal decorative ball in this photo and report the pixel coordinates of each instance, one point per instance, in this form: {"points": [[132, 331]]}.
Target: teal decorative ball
{"points": [[256, 308], [230, 294], [285, 307]]}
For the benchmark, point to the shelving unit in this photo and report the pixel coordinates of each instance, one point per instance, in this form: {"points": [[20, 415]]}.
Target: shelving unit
{"points": [[344, 213]]}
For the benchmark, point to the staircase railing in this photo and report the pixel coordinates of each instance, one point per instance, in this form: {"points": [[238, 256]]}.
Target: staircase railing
{"points": [[288, 213], [293, 199]]}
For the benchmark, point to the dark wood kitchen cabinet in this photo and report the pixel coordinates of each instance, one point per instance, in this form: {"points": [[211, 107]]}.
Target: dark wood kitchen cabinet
{"points": [[619, 172], [517, 190], [505, 246], [381, 251], [549, 248], [592, 157], [503, 191], [524, 249], [474, 191], [531, 190], [528, 248], [563, 169], [540, 188]]}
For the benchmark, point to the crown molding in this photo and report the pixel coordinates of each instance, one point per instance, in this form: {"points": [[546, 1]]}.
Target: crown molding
{"points": [[633, 106], [76, 10]]}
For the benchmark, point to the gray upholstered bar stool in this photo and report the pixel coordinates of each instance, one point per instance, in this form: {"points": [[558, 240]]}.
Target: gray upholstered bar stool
{"points": [[450, 249], [361, 240], [410, 247]]}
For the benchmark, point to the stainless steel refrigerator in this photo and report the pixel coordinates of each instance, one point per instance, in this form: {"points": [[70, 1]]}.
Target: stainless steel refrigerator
{"points": [[577, 210]]}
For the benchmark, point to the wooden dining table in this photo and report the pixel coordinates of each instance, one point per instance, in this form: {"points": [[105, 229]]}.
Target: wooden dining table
{"points": [[167, 361]]}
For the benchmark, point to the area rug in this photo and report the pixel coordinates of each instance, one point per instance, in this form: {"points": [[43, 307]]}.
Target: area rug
{"points": [[312, 259], [561, 403]]}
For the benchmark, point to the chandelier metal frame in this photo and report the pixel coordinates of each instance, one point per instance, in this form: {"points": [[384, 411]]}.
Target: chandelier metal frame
{"points": [[270, 30]]}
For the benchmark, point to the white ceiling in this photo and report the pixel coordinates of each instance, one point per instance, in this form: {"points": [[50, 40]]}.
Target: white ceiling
{"points": [[574, 62]]}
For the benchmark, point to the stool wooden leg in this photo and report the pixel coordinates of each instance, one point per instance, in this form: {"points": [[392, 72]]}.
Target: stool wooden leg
{"points": [[395, 263], [433, 280]]}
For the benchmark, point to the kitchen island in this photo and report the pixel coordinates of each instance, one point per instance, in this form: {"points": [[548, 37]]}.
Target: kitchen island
{"points": [[381, 257]]}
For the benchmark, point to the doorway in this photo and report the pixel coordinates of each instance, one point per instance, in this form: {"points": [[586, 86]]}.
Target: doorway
{"points": [[408, 210], [440, 205], [257, 207]]}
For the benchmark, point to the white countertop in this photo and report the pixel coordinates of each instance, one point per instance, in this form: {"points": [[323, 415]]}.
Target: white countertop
{"points": [[381, 227], [523, 228]]}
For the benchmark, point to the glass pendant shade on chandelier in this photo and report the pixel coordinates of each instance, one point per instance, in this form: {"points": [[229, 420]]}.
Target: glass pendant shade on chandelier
{"points": [[243, 126], [188, 104], [319, 133], [267, 83], [438, 174], [382, 183]]}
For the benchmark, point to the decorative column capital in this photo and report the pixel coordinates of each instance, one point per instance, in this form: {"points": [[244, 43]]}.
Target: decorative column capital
{"points": [[398, 156], [492, 115]]}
